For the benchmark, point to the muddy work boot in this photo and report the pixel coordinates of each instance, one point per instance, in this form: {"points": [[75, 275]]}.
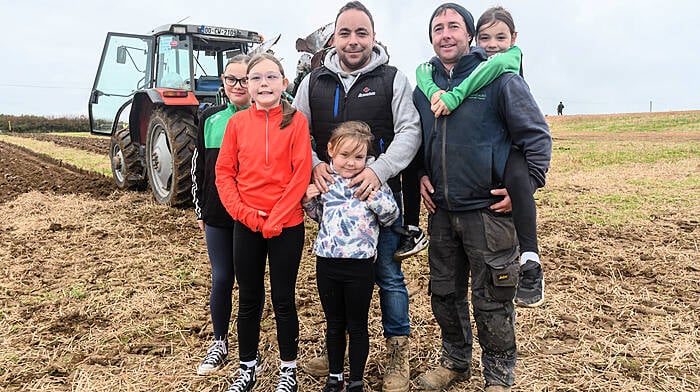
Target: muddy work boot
{"points": [[397, 375], [318, 366], [441, 378]]}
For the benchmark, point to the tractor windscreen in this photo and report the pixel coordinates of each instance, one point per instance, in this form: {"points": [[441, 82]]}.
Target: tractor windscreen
{"points": [[173, 59]]}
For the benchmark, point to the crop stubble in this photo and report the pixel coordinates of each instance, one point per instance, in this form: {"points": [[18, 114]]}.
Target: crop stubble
{"points": [[104, 290]]}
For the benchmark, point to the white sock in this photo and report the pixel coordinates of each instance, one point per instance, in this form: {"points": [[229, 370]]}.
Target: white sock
{"points": [[411, 227], [529, 256], [290, 364], [249, 364], [338, 377]]}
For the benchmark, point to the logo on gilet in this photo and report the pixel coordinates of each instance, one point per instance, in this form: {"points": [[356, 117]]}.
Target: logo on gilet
{"points": [[366, 92]]}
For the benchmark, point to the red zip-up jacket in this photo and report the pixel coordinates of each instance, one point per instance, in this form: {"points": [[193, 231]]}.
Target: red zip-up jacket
{"points": [[264, 168]]}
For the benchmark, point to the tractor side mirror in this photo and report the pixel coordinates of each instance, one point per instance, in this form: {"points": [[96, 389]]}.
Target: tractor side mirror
{"points": [[121, 54], [94, 96]]}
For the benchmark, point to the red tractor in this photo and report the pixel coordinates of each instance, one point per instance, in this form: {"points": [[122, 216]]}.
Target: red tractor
{"points": [[147, 94]]}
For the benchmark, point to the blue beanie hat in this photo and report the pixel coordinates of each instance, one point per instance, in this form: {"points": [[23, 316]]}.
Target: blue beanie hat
{"points": [[468, 18]]}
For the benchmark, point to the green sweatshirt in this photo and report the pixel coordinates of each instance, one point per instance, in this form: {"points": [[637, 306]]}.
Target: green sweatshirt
{"points": [[485, 73]]}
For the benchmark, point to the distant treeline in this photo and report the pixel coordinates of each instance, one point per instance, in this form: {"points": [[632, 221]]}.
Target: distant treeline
{"points": [[43, 124]]}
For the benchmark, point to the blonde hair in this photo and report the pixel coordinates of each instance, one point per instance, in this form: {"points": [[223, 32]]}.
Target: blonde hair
{"points": [[287, 109], [352, 131]]}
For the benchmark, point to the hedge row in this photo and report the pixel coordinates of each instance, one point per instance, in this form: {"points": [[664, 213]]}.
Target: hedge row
{"points": [[43, 124]]}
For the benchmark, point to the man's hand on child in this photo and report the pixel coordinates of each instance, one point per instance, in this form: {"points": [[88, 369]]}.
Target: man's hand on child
{"points": [[367, 180], [321, 175], [504, 206]]}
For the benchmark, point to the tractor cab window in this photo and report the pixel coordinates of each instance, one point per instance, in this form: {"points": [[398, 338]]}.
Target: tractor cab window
{"points": [[173, 62], [208, 60]]}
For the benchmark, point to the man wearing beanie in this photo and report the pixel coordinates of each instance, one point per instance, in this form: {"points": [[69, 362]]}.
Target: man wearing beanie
{"points": [[464, 157]]}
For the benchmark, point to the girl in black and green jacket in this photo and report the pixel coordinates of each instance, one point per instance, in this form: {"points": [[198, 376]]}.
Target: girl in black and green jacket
{"points": [[212, 217]]}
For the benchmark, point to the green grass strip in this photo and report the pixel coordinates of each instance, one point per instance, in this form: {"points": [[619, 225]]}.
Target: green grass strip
{"points": [[80, 158]]}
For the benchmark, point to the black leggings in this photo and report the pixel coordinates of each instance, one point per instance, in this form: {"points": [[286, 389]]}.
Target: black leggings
{"points": [[521, 192], [251, 251], [220, 250], [410, 187], [345, 287]]}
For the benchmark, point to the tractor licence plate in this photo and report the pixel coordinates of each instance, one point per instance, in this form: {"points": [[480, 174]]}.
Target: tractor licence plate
{"points": [[229, 32]]}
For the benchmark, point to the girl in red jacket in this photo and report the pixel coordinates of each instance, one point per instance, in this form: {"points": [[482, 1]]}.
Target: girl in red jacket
{"points": [[262, 173]]}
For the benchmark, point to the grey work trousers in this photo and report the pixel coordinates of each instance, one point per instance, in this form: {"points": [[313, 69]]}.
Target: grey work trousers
{"points": [[484, 244]]}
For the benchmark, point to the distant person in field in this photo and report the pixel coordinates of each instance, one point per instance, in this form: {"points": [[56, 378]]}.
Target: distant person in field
{"points": [[560, 109], [211, 215], [496, 34], [472, 236], [262, 173]]}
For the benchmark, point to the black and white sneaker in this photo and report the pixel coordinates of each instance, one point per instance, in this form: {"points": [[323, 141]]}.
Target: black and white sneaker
{"points": [[334, 385], [245, 381], [530, 292], [288, 380], [215, 358], [258, 364], [356, 386], [412, 241]]}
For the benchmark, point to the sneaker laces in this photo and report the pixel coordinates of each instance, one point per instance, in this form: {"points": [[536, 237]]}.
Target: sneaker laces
{"points": [[244, 376], [216, 353], [287, 380]]}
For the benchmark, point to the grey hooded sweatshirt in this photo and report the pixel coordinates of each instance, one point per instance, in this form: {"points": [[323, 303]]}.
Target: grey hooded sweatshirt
{"points": [[407, 131]]}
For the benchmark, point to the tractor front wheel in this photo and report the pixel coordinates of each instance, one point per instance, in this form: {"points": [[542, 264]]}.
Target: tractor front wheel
{"points": [[127, 169], [170, 142]]}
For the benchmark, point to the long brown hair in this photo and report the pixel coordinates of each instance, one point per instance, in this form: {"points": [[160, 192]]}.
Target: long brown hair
{"points": [[287, 109]]}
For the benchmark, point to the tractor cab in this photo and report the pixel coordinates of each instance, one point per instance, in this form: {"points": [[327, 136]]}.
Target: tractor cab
{"points": [[147, 94], [180, 57]]}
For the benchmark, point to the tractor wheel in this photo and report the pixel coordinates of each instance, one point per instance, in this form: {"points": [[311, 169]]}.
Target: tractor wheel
{"points": [[127, 169], [170, 142]]}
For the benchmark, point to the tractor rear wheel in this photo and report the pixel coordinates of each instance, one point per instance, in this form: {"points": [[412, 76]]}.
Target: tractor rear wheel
{"points": [[127, 169], [170, 142]]}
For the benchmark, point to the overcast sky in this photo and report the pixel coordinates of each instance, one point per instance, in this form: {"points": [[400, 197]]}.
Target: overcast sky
{"points": [[597, 56]]}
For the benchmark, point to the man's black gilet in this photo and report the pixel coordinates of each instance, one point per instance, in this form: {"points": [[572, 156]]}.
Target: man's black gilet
{"points": [[368, 100]]}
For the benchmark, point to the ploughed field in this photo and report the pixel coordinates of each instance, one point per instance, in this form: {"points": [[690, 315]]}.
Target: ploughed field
{"points": [[103, 290]]}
